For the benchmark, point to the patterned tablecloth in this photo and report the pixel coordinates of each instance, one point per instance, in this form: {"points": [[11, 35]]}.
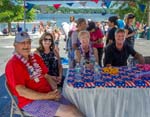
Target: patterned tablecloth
{"points": [[125, 78], [123, 94]]}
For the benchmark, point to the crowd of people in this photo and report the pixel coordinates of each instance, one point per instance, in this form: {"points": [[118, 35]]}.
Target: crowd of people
{"points": [[34, 77], [101, 40]]}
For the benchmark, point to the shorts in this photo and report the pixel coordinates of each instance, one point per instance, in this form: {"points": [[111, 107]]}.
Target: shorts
{"points": [[44, 108]]}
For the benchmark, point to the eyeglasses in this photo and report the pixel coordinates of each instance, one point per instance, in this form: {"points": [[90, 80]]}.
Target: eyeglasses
{"points": [[46, 39]]}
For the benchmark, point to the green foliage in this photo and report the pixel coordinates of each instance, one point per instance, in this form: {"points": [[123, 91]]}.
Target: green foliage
{"points": [[30, 16], [10, 12], [126, 7]]}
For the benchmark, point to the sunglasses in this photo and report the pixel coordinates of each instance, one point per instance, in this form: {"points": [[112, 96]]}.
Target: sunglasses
{"points": [[46, 39]]}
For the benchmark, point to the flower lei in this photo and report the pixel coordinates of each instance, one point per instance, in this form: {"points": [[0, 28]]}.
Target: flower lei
{"points": [[83, 52], [34, 70]]}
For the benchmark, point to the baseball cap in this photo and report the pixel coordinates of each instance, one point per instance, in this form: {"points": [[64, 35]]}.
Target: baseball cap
{"points": [[22, 36], [130, 16]]}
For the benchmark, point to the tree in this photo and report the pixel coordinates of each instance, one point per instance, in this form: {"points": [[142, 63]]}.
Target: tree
{"points": [[10, 12], [131, 6]]}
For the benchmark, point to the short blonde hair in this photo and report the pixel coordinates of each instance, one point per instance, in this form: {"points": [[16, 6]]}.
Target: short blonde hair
{"points": [[83, 33]]}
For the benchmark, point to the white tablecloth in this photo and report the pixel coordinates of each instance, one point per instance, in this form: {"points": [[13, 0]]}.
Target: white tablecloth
{"points": [[110, 102]]}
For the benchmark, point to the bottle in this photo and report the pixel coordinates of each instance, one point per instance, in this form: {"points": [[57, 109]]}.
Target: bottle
{"points": [[96, 67], [82, 62], [130, 63], [92, 59], [78, 72], [97, 73], [78, 77]]}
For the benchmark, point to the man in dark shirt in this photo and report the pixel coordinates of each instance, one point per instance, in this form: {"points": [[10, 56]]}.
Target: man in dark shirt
{"points": [[117, 53], [112, 23]]}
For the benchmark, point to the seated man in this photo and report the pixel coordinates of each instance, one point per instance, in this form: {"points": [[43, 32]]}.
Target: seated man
{"points": [[118, 52], [27, 77]]}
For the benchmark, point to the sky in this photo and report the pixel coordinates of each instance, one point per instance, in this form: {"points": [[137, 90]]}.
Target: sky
{"points": [[76, 4]]}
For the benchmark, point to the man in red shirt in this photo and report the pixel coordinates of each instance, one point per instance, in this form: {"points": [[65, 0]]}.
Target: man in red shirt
{"points": [[27, 78]]}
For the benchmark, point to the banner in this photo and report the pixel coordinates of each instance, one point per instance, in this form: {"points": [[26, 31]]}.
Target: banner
{"points": [[107, 3], [142, 7], [96, 1], [56, 6], [70, 4], [29, 6]]}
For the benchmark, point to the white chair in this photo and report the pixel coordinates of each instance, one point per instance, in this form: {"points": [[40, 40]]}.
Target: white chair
{"points": [[14, 107]]}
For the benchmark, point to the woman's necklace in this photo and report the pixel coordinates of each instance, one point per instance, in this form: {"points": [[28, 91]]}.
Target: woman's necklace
{"points": [[34, 69]]}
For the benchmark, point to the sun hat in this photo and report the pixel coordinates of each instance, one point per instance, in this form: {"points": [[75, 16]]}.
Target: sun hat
{"points": [[21, 36]]}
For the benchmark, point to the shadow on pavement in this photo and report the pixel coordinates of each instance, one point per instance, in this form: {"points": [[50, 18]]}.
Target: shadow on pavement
{"points": [[4, 99]]}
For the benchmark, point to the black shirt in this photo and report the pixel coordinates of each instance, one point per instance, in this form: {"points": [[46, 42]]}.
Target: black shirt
{"points": [[51, 62], [117, 57], [111, 35], [130, 30]]}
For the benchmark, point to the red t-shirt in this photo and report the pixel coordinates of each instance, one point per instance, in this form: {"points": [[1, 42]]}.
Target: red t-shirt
{"points": [[17, 74], [97, 34]]}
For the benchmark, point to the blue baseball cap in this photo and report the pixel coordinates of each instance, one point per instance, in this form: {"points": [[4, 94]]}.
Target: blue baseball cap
{"points": [[22, 36]]}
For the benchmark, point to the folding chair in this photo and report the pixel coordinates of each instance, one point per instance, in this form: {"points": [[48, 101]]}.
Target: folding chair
{"points": [[14, 107]]}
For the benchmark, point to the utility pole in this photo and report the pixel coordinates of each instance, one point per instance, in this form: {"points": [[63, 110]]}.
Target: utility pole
{"points": [[25, 15]]}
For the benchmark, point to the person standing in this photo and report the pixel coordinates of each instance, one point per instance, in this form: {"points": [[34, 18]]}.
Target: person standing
{"points": [[56, 34], [96, 39], [19, 28], [48, 27], [75, 43], [72, 24], [120, 23], [112, 23], [41, 27], [129, 29]]}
